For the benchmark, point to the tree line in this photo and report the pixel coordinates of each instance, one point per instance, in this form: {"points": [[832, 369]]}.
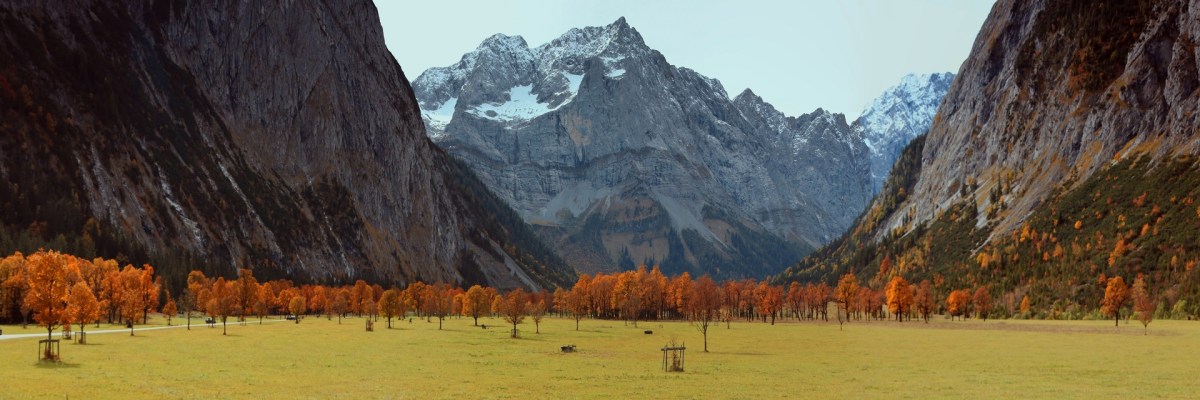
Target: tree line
{"points": [[60, 290]]}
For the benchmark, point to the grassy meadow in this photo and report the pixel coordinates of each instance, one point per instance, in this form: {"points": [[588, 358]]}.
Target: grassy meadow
{"points": [[319, 358]]}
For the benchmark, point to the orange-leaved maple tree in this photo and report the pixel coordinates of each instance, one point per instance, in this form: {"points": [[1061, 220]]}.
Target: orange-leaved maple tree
{"points": [[899, 297], [1115, 296], [48, 288], [1143, 304]]}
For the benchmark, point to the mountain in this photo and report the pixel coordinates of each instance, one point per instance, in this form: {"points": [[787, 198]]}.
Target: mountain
{"points": [[1062, 155], [621, 158], [898, 116], [279, 136]]}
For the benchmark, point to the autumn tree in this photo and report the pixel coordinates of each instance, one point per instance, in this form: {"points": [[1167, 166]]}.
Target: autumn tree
{"points": [[957, 303], [264, 300], [844, 293], [924, 301], [48, 289], [298, 306], [197, 295], [222, 302], [82, 306], [627, 295], [13, 286], [537, 310], [795, 299], [704, 306], [1143, 305], [899, 297], [439, 302], [730, 293], [340, 303], [577, 299], [1115, 297], [513, 307], [170, 309], [770, 303], [476, 302], [389, 305], [983, 302], [679, 293], [138, 294], [148, 288], [246, 293]]}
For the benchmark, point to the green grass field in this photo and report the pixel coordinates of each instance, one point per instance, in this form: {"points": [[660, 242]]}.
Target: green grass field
{"points": [[321, 359]]}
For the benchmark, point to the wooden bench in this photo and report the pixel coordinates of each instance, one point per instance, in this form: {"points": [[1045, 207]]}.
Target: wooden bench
{"points": [[570, 348]]}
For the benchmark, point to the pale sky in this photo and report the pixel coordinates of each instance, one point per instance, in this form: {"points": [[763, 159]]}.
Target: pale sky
{"points": [[798, 55]]}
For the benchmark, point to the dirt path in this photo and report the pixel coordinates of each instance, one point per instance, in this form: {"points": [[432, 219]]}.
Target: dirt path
{"points": [[124, 330]]}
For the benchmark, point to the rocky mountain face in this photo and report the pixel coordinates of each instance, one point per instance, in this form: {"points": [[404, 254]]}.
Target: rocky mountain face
{"points": [[1030, 110], [899, 115], [620, 157], [1063, 154], [281, 136]]}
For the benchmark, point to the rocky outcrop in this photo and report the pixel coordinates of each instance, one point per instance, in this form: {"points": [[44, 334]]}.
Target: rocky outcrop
{"points": [[281, 136]]}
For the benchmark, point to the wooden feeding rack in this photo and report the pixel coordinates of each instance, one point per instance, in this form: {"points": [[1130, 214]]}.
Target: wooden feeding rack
{"points": [[672, 360]]}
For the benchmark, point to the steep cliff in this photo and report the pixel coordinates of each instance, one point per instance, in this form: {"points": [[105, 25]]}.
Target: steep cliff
{"points": [[1061, 155], [279, 135]]}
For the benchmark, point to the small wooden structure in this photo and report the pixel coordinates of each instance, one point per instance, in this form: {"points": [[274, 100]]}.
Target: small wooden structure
{"points": [[48, 350], [66, 331], [370, 325], [81, 338], [673, 357], [570, 348]]}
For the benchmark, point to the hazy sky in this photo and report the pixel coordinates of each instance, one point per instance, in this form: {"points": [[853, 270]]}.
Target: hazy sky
{"points": [[798, 55]]}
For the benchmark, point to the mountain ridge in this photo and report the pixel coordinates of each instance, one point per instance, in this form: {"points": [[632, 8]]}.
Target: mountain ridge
{"points": [[563, 135]]}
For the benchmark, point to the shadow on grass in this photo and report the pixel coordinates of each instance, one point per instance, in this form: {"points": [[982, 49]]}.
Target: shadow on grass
{"points": [[56, 365], [739, 353]]}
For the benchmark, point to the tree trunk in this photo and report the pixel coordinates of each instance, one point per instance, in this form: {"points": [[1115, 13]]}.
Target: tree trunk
{"points": [[1117, 318], [705, 332], [224, 327]]}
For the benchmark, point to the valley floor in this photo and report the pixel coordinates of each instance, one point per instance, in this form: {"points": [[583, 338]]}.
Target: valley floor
{"points": [[319, 358]]}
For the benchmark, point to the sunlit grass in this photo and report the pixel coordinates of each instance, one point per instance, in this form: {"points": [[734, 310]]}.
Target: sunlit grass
{"points": [[321, 359]]}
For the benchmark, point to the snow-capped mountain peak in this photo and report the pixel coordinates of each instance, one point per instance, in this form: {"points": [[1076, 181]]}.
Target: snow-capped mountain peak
{"points": [[505, 80], [901, 113]]}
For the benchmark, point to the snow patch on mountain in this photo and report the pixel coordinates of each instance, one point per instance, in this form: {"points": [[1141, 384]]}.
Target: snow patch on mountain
{"points": [[437, 119]]}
